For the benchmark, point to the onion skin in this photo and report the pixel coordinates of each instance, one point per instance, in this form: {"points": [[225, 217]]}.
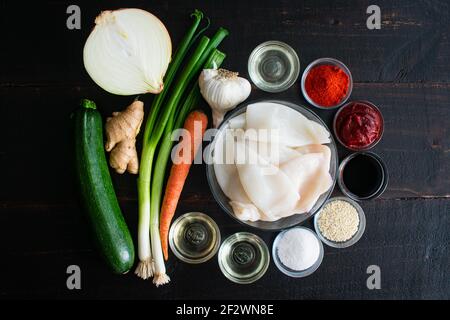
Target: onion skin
{"points": [[128, 52]]}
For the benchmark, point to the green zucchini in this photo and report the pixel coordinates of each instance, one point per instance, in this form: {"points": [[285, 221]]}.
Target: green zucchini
{"points": [[97, 192]]}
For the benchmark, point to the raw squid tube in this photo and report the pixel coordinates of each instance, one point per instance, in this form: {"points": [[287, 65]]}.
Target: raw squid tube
{"points": [[309, 174], [268, 188], [228, 179], [292, 128]]}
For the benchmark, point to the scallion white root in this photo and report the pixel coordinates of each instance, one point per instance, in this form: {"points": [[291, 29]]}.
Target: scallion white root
{"points": [[145, 268], [160, 277]]}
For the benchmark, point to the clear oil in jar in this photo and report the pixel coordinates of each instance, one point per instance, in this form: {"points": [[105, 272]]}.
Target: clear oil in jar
{"points": [[244, 257], [273, 66], [194, 237]]}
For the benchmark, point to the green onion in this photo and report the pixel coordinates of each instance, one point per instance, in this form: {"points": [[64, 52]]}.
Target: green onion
{"points": [[165, 148], [190, 72], [180, 53], [149, 217], [145, 267], [159, 273]]}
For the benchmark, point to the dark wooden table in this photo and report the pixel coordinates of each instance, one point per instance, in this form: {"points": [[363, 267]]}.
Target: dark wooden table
{"points": [[403, 68]]}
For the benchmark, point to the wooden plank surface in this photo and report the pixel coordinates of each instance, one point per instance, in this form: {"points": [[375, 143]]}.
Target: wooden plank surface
{"points": [[413, 44], [411, 250], [403, 68]]}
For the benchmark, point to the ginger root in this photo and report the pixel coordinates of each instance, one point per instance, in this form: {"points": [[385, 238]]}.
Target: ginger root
{"points": [[121, 131]]}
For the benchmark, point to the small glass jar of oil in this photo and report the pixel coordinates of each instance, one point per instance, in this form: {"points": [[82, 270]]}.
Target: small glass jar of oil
{"points": [[273, 66], [194, 237], [243, 258]]}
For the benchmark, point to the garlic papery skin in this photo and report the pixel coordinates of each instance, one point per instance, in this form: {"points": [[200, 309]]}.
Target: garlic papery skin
{"points": [[128, 52], [223, 90]]}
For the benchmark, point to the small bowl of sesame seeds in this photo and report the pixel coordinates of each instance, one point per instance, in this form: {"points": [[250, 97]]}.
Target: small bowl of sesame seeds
{"points": [[340, 223]]}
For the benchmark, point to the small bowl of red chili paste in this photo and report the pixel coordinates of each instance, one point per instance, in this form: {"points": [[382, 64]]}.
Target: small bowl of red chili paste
{"points": [[326, 83], [358, 125]]}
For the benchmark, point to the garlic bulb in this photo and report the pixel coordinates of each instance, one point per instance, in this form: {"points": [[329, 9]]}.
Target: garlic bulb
{"points": [[128, 52], [223, 90]]}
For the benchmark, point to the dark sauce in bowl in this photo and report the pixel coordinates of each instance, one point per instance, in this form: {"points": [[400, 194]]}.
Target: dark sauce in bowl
{"points": [[363, 176]]}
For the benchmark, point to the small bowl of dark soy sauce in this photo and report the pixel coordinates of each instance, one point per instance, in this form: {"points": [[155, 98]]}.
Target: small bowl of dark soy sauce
{"points": [[363, 176]]}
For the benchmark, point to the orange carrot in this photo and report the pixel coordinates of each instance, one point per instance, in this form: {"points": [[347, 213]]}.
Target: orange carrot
{"points": [[195, 126]]}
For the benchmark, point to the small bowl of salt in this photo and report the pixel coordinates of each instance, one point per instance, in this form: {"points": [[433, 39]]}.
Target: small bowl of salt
{"points": [[297, 252]]}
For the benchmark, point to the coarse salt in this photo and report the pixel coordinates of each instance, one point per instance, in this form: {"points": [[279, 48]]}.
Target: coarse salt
{"points": [[298, 249]]}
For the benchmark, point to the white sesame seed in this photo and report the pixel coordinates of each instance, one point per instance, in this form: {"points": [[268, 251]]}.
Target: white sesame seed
{"points": [[338, 221]]}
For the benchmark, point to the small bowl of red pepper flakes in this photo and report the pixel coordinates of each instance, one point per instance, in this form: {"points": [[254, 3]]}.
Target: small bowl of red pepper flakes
{"points": [[326, 83]]}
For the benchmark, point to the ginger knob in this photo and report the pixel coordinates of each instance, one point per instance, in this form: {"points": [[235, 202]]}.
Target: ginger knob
{"points": [[121, 131]]}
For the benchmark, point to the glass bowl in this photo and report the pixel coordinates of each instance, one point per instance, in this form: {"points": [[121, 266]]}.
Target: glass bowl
{"points": [[244, 258], [356, 236], [296, 273], [326, 61], [282, 223], [278, 61], [384, 180], [347, 105], [194, 237]]}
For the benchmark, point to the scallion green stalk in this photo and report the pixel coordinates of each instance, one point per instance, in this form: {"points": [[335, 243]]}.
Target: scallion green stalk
{"points": [[145, 266], [159, 274], [180, 53], [164, 151], [189, 73]]}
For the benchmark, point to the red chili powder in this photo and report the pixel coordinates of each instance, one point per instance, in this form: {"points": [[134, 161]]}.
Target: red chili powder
{"points": [[327, 85]]}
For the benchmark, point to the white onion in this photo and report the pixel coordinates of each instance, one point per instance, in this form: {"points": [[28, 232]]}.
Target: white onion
{"points": [[128, 52]]}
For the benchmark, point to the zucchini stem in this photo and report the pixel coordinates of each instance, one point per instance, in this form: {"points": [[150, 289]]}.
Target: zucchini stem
{"points": [[88, 104]]}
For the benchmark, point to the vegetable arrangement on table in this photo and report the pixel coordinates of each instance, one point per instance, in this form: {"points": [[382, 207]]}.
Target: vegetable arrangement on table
{"points": [[128, 53], [283, 158]]}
